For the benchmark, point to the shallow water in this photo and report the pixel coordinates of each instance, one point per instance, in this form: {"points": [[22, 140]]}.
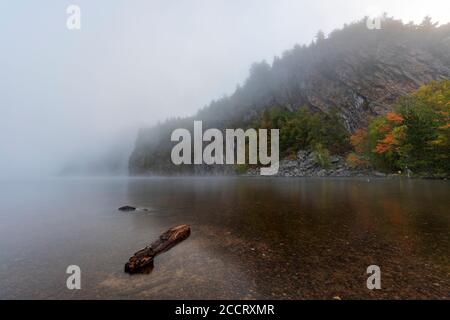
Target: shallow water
{"points": [[281, 238]]}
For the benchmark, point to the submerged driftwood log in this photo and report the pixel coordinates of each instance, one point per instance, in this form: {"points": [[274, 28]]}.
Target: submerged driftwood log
{"points": [[143, 259]]}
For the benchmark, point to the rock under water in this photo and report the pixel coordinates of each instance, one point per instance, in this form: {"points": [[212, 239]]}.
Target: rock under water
{"points": [[127, 208]]}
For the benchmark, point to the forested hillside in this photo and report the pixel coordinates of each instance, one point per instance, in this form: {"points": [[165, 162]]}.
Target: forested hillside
{"points": [[347, 78]]}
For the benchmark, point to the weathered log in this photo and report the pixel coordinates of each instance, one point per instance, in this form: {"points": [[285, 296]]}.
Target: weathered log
{"points": [[143, 259]]}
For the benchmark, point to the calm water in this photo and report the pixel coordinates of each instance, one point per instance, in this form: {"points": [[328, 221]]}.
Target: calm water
{"points": [[251, 238]]}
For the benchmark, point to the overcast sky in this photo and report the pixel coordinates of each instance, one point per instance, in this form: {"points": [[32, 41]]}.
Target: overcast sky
{"points": [[69, 95]]}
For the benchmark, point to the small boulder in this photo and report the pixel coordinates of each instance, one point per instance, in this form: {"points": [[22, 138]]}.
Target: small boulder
{"points": [[127, 208], [335, 159]]}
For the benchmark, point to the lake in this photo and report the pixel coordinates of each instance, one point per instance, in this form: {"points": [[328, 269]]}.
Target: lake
{"points": [[252, 238]]}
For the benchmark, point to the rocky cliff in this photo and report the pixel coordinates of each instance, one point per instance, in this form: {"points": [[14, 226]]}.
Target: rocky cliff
{"points": [[358, 71]]}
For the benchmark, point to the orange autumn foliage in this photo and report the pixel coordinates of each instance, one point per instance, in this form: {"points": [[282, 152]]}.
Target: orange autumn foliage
{"points": [[386, 144], [357, 161], [389, 139], [394, 117], [381, 148], [358, 139]]}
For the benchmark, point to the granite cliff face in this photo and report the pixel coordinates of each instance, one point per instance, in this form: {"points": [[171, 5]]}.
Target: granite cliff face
{"points": [[305, 164], [357, 71], [367, 81]]}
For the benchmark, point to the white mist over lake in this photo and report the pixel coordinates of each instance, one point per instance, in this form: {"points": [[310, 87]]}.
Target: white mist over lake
{"points": [[71, 99]]}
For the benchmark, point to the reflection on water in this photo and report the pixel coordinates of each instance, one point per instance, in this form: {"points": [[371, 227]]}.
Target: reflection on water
{"points": [[251, 238]]}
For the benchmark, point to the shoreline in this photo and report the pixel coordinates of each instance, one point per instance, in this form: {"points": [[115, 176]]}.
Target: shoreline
{"points": [[246, 175], [306, 165]]}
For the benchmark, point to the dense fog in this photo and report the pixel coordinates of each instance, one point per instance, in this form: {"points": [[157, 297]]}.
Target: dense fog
{"points": [[72, 101]]}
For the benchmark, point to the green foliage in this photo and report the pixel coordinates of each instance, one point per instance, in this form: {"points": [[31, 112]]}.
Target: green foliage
{"points": [[322, 156], [304, 129], [427, 117], [241, 168], [416, 136]]}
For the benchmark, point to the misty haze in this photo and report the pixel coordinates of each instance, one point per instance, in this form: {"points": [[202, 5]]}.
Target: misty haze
{"points": [[354, 97]]}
